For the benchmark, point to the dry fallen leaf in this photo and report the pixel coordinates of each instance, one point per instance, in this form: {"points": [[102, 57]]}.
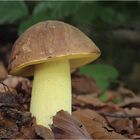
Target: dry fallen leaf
{"points": [[131, 102], [122, 125], [88, 101], [14, 82], [133, 111], [43, 132], [91, 114], [67, 127], [97, 129], [26, 132], [83, 85]]}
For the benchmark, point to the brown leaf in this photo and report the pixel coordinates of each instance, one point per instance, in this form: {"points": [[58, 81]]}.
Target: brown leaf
{"points": [[43, 132], [131, 102], [27, 132], [82, 84], [67, 127], [89, 101], [111, 108], [133, 111], [122, 125], [91, 114], [18, 83], [125, 92], [97, 129]]}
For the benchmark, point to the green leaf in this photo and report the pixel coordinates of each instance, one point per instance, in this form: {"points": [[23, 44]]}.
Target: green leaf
{"points": [[56, 9], [11, 11], [107, 15], [86, 13], [31, 21], [102, 73], [42, 7], [103, 97], [48, 11]]}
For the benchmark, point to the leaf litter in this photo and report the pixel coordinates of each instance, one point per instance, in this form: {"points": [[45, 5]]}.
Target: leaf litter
{"points": [[90, 119]]}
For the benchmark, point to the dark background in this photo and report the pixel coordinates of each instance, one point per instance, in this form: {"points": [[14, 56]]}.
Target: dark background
{"points": [[113, 26]]}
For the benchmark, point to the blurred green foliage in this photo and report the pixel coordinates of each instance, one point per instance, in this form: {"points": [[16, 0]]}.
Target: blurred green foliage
{"points": [[102, 73], [10, 12], [95, 18], [83, 13], [77, 12]]}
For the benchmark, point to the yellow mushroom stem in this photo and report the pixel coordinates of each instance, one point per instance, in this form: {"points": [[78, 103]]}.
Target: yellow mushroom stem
{"points": [[51, 90]]}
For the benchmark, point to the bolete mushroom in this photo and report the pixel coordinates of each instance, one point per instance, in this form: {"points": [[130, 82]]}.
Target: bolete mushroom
{"points": [[49, 50]]}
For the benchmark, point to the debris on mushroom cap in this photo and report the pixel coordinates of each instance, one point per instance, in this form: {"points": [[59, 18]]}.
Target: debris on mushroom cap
{"points": [[48, 41]]}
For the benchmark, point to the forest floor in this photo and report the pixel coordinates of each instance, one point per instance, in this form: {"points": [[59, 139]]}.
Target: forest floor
{"points": [[91, 118]]}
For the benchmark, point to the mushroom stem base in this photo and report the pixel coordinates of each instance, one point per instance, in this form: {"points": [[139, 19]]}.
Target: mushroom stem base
{"points": [[51, 90]]}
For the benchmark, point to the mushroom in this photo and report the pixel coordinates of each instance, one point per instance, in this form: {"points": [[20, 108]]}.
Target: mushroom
{"points": [[49, 50]]}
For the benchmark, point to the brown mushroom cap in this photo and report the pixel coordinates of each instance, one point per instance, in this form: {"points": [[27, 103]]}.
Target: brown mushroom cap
{"points": [[49, 41]]}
